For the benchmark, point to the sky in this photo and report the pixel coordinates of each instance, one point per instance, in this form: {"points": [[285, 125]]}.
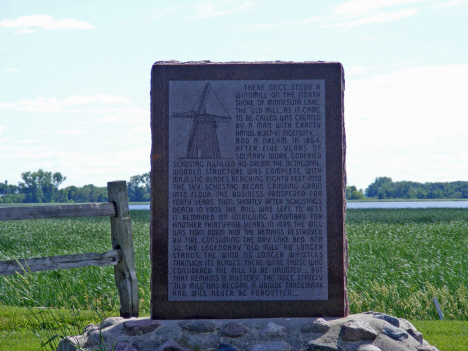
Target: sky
{"points": [[75, 78]]}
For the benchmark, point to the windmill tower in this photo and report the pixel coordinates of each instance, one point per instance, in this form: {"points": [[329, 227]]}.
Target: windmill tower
{"points": [[203, 139]]}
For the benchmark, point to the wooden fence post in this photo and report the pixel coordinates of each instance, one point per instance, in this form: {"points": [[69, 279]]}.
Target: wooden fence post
{"points": [[121, 234]]}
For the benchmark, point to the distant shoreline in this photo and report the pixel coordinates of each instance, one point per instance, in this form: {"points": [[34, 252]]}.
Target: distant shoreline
{"points": [[404, 200], [18, 204]]}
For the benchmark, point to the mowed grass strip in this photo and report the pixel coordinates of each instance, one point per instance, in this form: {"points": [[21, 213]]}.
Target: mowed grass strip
{"points": [[25, 328], [445, 335]]}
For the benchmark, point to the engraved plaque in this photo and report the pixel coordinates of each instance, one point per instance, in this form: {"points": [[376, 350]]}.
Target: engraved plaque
{"points": [[247, 185], [247, 190]]}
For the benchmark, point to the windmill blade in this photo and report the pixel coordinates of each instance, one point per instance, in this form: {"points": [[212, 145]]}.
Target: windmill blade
{"points": [[188, 114], [222, 119]]}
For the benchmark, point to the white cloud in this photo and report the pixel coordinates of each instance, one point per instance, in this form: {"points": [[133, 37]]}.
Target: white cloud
{"points": [[96, 166], [6, 140], [70, 131], [12, 70], [2, 129], [267, 26], [408, 105], [358, 8], [88, 99], [380, 17], [29, 141], [42, 131], [43, 104], [452, 3], [122, 115], [408, 124], [29, 24], [363, 12], [206, 9], [357, 70]]}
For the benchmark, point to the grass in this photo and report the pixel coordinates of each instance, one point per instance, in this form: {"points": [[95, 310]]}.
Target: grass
{"points": [[80, 287], [16, 324], [445, 335], [25, 328], [399, 259]]}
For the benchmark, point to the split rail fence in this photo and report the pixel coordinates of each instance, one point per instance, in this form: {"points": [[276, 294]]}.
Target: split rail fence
{"points": [[121, 256]]}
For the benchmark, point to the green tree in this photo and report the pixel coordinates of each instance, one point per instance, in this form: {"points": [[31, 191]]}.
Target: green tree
{"points": [[139, 188], [41, 186], [6, 188], [352, 193], [380, 182]]}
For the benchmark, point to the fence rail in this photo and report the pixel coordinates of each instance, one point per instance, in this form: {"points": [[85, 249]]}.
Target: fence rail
{"points": [[121, 256], [57, 211], [53, 263]]}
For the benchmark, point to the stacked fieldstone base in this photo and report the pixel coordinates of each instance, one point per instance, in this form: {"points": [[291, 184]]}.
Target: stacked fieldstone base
{"points": [[364, 332]]}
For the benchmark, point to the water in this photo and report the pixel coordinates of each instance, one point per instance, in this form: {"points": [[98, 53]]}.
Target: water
{"points": [[395, 204], [139, 207], [410, 204]]}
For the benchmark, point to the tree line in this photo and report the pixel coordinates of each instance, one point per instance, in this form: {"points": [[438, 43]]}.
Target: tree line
{"points": [[386, 188], [43, 187]]}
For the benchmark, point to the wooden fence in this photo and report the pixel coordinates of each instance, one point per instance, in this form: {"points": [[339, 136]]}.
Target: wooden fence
{"points": [[121, 255]]}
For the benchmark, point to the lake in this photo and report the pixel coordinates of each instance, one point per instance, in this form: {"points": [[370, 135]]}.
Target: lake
{"points": [[390, 204]]}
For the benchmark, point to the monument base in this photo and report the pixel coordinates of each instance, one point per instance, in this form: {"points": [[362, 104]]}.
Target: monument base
{"points": [[368, 331]]}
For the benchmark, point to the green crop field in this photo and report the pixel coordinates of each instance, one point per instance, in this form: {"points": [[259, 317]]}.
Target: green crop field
{"points": [[399, 259]]}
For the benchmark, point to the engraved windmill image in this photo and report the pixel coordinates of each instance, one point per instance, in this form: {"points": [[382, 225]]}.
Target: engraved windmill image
{"points": [[203, 137]]}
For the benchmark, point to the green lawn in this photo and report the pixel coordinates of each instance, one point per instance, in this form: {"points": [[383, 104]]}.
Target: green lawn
{"points": [[445, 335], [18, 326]]}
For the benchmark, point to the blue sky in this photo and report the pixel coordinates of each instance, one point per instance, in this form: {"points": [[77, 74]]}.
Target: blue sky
{"points": [[75, 78]]}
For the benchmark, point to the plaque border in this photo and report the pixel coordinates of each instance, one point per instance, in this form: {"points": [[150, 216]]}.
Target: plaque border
{"points": [[333, 74]]}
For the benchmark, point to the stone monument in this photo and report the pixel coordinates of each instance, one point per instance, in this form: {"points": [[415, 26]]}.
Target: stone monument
{"points": [[247, 190]]}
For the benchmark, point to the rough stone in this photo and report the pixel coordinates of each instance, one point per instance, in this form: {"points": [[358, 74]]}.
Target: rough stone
{"points": [[224, 347], [390, 319], [89, 328], [294, 338], [318, 346], [110, 321], [369, 348], [125, 346], [427, 348], [272, 346], [234, 330], [319, 325], [171, 345], [199, 341], [273, 330], [72, 343], [140, 326], [415, 334], [198, 326], [96, 337], [357, 330], [394, 333]]}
